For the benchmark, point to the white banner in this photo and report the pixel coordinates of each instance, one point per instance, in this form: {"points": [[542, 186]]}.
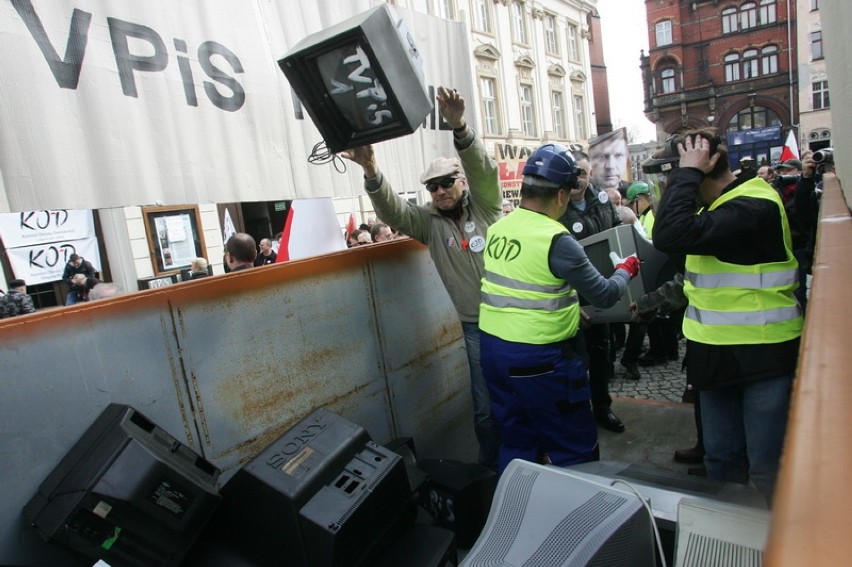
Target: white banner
{"points": [[28, 228], [311, 230], [106, 104], [45, 262]]}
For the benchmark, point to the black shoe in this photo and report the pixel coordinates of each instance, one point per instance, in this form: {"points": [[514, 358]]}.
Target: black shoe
{"points": [[648, 360], [609, 421], [693, 455], [631, 369], [696, 471]]}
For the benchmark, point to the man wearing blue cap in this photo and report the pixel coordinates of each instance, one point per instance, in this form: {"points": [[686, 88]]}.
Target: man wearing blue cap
{"points": [[530, 313]]}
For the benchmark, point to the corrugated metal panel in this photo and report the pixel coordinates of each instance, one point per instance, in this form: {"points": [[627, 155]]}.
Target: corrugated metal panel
{"points": [[228, 363]]}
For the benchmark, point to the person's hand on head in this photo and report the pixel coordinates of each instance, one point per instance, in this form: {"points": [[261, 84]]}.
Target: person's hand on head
{"points": [[451, 106], [695, 152], [365, 157]]}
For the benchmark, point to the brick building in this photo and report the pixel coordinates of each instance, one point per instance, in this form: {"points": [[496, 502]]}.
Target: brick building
{"points": [[727, 64]]}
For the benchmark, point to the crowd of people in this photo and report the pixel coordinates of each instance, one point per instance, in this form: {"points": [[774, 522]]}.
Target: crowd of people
{"points": [[515, 272]]}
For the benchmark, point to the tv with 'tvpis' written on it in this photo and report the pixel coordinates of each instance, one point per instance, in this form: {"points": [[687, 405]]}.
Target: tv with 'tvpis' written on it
{"points": [[361, 80]]}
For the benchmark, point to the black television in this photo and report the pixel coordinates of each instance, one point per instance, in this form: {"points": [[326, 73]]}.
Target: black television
{"points": [[127, 493], [323, 494], [361, 80]]}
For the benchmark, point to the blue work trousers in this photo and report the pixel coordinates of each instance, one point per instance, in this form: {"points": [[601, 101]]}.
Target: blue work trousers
{"points": [[540, 398]]}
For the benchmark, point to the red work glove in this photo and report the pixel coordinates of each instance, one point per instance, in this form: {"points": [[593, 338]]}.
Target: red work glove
{"points": [[629, 264]]}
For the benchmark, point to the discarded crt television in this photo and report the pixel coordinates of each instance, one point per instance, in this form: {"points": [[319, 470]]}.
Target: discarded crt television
{"points": [[323, 494], [361, 81], [127, 492]]}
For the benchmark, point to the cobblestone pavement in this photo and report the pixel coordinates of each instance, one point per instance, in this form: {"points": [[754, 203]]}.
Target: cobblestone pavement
{"points": [[663, 382]]}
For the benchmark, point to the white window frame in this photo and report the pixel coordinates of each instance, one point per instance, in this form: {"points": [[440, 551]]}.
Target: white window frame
{"points": [[819, 95], [750, 64], [732, 67], [668, 83], [519, 23], [748, 16], [816, 45], [551, 38], [526, 100], [730, 20], [663, 31], [769, 60], [490, 106], [557, 105], [444, 9], [482, 15], [579, 116], [573, 35], [768, 12]]}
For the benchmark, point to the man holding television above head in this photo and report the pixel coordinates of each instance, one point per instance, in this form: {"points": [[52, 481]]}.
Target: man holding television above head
{"points": [[466, 199], [530, 315], [742, 322]]}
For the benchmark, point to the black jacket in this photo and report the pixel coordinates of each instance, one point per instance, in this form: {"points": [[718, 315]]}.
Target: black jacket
{"points": [[600, 215], [741, 231], [86, 268]]}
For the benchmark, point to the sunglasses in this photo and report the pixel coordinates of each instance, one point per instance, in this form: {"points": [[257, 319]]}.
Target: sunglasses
{"points": [[444, 183]]}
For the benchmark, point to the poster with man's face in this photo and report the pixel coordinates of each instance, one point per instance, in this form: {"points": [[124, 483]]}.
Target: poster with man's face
{"points": [[610, 160]]}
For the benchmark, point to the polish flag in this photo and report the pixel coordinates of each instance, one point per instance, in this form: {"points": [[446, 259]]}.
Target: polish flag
{"points": [[350, 226], [791, 149]]}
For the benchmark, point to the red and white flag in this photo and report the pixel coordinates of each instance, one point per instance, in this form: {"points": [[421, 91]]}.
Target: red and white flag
{"points": [[350, 226], [791, 148]]}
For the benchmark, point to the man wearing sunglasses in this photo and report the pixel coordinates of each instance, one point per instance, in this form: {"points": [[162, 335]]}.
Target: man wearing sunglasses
{"points": [[465, 201]]}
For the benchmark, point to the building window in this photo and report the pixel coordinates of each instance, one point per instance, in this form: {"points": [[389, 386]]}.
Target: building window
{"points": [[729, 20], [748, 16], [557, 105], [816, 45], [768, 13], [732, 67], [750, 64], [444, 9], [579, 117], [820, 95], [551, 42], [490, 118], [664, 33], [482, 15], [573, 43], [769, 60], [528, 111], [519, 23], [814, 5], [753, 117], [667, 81]]}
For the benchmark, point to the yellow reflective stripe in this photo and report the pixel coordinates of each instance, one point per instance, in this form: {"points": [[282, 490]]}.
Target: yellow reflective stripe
{"points": [[512, 283], [743, 281], [549, 304], [767, 317]]}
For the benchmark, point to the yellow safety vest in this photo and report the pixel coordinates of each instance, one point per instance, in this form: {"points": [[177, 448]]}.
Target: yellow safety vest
{"points": [[647, 220], [522, 301], [743, 304]]}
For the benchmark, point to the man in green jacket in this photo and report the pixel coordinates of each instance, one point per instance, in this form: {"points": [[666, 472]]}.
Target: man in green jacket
{"points": [[466, 200]]}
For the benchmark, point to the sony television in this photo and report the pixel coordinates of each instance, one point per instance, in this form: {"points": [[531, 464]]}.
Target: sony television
{"points": [[624, 240], [127, 493], [543, 516], [361, 81], [323, 494]]}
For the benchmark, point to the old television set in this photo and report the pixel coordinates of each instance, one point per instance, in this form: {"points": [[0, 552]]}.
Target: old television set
{"points": [[624, 240], [127, 493], [361, 80], [544, 515], [323, 494]]}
